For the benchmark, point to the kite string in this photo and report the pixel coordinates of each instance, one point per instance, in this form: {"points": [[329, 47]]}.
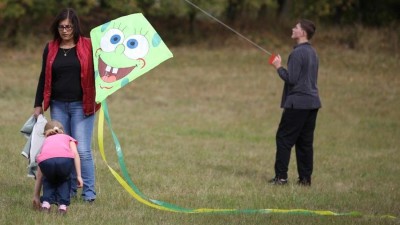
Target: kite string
{"points": [[228, 27]]}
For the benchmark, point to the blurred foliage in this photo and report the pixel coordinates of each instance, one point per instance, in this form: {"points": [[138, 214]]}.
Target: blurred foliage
{"points": [[22, 18], [366, 12], [19, 18]]}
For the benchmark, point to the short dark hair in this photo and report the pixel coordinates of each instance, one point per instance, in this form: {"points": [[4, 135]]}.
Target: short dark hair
{"points": [[67, 13], [308, 26]]}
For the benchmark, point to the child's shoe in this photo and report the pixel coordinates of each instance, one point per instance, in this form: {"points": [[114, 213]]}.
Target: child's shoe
{"points": [[45, 207], [62, 209]]}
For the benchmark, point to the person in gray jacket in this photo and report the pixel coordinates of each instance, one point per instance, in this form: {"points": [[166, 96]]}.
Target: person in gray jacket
{"points": [[300, 103]]}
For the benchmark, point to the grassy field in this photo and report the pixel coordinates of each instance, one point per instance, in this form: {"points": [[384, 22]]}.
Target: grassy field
{"points": [[199, 131]]}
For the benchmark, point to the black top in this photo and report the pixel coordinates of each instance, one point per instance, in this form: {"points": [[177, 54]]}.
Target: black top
{"points": [[300, 88], [66, 77]]}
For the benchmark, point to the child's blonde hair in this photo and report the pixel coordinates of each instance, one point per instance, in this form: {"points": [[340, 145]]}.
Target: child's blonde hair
{"points": [[53, 127]]}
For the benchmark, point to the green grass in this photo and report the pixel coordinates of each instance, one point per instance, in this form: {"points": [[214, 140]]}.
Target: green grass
{"points": [[199, 131]]}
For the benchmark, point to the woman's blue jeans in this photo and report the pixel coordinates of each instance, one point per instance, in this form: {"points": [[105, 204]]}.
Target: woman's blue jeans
{"points": [[80, 127]]}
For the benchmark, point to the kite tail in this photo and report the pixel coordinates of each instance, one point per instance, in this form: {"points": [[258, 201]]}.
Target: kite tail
{"points": [[126, 182]]}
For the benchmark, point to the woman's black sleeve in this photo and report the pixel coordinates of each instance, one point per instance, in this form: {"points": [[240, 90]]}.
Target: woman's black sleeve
{"points": [[40, 86]]}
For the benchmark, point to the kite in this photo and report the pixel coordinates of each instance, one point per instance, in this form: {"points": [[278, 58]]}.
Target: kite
{"points": [[123, 50]]}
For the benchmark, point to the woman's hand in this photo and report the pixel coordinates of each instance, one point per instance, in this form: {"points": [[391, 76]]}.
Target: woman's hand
{"points": [[37, 111]]}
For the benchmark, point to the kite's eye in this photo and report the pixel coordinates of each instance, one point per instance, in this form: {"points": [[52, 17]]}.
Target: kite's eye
{"points": [[132, 43], [115, 39], [111, 40], [136, 46]]}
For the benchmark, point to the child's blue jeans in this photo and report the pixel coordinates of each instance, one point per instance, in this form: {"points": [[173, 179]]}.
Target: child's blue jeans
{"points": [[57, 180]]}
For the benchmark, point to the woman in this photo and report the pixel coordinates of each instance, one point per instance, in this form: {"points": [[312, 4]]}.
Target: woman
{"points": [[66, 85]]}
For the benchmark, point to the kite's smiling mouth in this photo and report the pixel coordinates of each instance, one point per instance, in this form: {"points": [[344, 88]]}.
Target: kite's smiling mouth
{"points": [[111, 74]]}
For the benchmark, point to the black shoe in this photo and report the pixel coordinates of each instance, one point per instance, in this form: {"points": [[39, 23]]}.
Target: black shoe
{"points": [[304, 182], [89, 201], [278, 181]]}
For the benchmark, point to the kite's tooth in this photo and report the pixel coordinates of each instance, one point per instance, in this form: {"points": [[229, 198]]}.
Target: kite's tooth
{"points": [[115, 70], [108, 68]]}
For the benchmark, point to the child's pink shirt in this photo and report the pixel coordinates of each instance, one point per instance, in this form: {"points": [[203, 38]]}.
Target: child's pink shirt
{"points": [[55, 146]]}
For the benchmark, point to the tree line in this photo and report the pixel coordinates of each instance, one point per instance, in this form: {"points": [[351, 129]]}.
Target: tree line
{"points": [[20, 17]]}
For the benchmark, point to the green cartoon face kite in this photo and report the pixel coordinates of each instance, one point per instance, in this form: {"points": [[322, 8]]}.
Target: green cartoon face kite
{"points": [[124, 49]]}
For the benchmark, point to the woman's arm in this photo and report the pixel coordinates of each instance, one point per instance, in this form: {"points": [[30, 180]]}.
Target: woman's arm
{"points": [[40, 87]]}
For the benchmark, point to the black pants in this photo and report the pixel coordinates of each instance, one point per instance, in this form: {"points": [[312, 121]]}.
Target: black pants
{"points": [[296, 128]]}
